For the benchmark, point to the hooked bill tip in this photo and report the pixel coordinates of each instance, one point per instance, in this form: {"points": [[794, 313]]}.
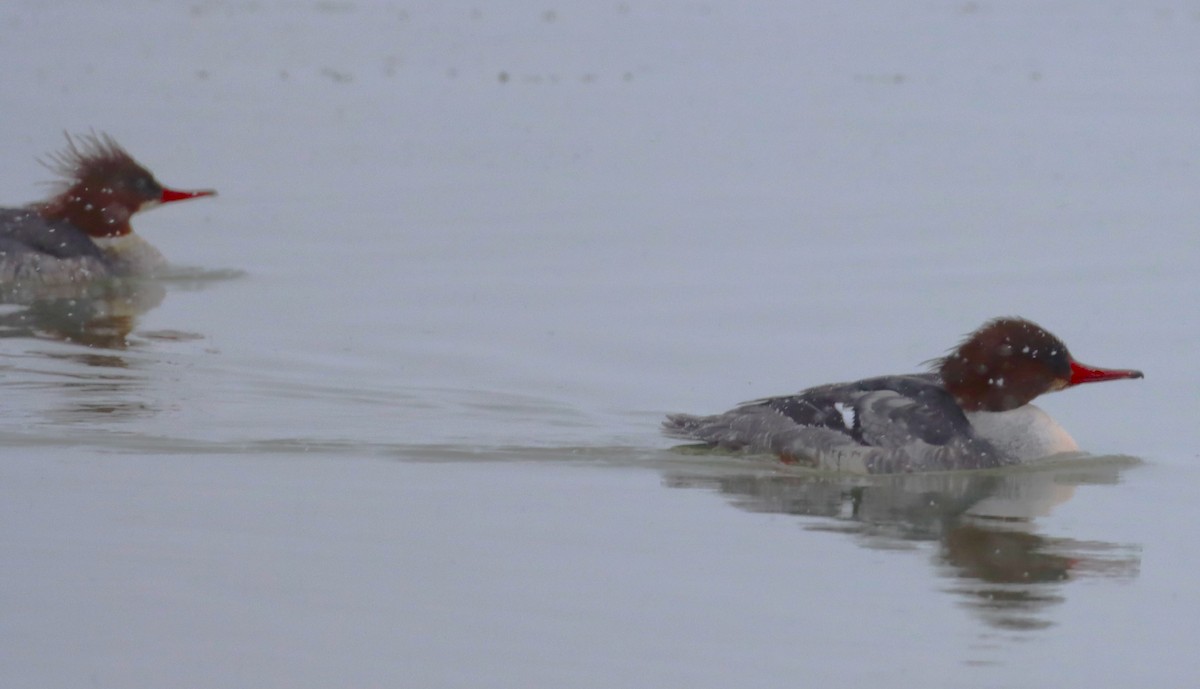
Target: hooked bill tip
{"points": [[170, 195]]}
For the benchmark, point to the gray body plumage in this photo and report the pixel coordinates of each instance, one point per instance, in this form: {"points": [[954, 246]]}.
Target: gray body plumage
{"points": [[887, 424], [34, 249]]}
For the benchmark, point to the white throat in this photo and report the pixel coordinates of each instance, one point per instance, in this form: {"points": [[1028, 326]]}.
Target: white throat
{"points": [[131, 255], [1024, 433]]}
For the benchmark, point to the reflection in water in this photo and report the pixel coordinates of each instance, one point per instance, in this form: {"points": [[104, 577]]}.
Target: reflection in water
{"points": [[95, 379], [100, 314], [982, 522], [88, 357]]}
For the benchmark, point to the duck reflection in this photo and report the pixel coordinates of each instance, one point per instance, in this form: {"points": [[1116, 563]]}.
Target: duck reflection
{"points": [[97, 377], [99, 314], [982, 522]]}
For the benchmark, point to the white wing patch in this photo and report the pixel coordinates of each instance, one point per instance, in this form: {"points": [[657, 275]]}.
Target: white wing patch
{"points": [[847, 412]]}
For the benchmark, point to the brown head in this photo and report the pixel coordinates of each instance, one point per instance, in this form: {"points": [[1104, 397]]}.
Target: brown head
{"points": [[1008, 362], [103, 186]]}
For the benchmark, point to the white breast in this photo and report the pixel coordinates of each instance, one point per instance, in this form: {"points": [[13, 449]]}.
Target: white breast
{"points": [[131, 255], [1025, 433]]}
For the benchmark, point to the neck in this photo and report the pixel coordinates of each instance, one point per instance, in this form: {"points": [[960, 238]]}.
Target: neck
{"points": [[129, 254], [97, 220], [1025, 433]]}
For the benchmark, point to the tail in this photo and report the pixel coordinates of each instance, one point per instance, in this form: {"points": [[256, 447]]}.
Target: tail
{"points": [[685, 427], [744, 428]]}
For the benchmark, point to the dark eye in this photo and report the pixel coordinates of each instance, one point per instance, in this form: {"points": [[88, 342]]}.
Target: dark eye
{"points": [[146, 186]]}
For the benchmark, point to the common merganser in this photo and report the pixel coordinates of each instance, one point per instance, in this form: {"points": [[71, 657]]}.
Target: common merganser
{"points": [[972, 411], [83, 230]]}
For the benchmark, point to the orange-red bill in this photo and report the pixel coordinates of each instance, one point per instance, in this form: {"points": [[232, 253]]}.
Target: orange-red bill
{"points": [[169, 195], [1081, 373]]}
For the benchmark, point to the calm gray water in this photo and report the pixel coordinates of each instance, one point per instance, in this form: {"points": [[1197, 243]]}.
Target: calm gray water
{"points": [[393, 419]]}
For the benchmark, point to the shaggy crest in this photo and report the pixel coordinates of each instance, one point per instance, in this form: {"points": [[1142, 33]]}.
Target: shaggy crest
{"points": [[994, 332], [1005, 364], [87, 155]]}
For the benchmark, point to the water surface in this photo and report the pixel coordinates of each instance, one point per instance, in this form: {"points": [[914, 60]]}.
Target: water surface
{"points": [[393, 419]]}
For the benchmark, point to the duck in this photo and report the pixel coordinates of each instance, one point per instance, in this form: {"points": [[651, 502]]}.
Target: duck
{"points": [[82, 231], [971, 410]]}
